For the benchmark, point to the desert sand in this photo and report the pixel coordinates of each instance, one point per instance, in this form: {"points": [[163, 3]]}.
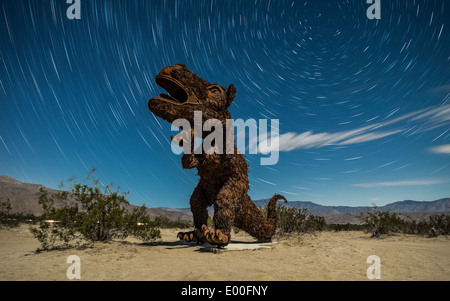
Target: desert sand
{"points": [[321, 256]]}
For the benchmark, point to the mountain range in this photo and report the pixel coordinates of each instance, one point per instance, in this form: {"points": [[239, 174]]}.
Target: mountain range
{"points": [[22, 197], [408, 206]]}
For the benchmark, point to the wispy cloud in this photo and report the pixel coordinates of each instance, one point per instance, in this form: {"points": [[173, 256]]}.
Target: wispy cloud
{"points": [[444, 88], [267, 182], [369, 137], [419, 182], [411, 123], [440, 149], [291, 193]]}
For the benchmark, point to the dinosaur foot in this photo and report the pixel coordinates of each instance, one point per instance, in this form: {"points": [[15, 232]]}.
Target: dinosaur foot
{"points": [[215, 237], [192, 236]]}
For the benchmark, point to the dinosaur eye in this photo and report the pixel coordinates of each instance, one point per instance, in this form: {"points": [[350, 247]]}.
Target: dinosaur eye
{"points": [[214, 90]]}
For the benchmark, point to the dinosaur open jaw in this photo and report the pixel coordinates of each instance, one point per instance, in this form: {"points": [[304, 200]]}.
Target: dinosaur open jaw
{"points": [[177, 92]]}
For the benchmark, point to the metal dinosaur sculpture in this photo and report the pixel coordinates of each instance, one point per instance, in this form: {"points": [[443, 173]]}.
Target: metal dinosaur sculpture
{"points": [[223, 180]]}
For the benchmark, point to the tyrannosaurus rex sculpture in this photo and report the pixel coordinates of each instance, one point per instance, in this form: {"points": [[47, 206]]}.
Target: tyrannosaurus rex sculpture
{"points": [[223, 179]]}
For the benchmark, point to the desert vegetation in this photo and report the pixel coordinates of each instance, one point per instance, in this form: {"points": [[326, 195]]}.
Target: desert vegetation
{"points": [[94, 213], [291, 220], [164, 222], [11, 220], [379, 223], [376, 222], [7, 220], [345, 227]]}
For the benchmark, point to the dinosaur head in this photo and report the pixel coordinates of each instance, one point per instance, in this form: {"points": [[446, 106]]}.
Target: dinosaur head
{"points": [[187, 93]]}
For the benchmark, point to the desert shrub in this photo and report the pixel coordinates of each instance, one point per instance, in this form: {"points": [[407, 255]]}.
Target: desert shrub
{"points": [[137, 223], [432, 226], [292, 219], [383, 222], [440, 224], [380, 222], [88, 214], [345, 227], [7, 219]]}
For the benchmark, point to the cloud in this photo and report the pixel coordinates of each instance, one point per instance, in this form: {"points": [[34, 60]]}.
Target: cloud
{"points": [[444, 89], [420, 182], [369, 137], [417, 122], [440, 149]]}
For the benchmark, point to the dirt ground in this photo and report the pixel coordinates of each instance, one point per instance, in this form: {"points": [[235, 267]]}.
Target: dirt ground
{"points": [[323, 256]]}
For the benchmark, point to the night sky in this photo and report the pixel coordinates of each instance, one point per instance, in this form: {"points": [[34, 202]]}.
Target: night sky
{"points": [[363, 105]]}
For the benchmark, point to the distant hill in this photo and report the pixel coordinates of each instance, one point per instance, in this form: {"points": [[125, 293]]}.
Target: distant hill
{"points": [[441, 205], [346, 214], [22, 197]]}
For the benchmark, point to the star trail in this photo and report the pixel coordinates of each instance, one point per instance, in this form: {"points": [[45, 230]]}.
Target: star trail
{"points": [[363, 104]]}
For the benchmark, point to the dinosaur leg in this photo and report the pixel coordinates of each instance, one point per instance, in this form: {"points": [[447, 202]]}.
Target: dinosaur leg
{"points": [[224, 214], [200, 214]]}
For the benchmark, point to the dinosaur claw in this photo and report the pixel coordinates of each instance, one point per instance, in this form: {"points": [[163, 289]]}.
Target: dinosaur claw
{"points": [[215, 237], [187, 236], [196, 235]]}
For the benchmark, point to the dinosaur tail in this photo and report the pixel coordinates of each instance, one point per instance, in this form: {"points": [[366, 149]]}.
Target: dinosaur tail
{"points": [[253, 222], [272, 215]]}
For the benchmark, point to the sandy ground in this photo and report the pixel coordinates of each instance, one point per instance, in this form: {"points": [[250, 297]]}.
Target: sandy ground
{"points": [[323, 256]]}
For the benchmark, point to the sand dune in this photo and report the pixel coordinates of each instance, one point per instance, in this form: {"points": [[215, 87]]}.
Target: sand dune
{"points": [[324, 256]]}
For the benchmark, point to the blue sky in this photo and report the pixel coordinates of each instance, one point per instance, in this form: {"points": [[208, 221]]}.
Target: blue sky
{"points": [[363, 105]]}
